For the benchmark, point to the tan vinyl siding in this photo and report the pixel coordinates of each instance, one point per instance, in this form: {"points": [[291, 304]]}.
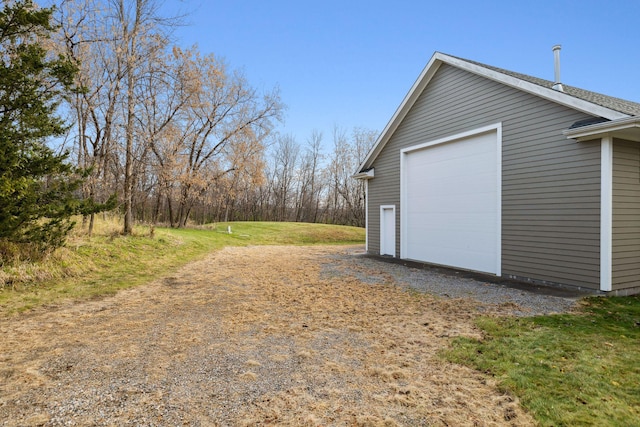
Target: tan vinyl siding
{"points": [[550, 185], [626, 215]]}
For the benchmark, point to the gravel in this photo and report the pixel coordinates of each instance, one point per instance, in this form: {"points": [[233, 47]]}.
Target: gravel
{"points": [[502, 298]]}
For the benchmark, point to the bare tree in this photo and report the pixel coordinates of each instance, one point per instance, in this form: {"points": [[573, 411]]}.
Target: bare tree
{"points": [[133, 23], [285, 162], [164, 91], [347, 197], [247, 161], [219, 130], [310, 183], [84, 38], [114, 43]]}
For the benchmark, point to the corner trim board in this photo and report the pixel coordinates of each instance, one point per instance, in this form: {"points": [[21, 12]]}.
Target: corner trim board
{"points": [[606, 213], [366, 216]]}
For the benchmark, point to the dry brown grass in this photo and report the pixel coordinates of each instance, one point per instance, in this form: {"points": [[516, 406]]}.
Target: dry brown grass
{"points": [[251, 336], [22, 270]]}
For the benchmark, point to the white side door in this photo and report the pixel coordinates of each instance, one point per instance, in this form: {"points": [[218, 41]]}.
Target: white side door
{"points": [[388, 230]]}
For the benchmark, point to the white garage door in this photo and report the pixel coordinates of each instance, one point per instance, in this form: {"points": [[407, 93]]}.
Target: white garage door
{"points": [[451, 211]]}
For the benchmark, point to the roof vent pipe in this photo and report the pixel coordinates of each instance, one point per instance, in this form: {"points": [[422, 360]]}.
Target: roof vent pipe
{"points": [[556, 63]]}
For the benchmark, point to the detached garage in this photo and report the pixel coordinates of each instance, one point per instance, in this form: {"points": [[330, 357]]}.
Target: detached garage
{"points": [[487, 170]]}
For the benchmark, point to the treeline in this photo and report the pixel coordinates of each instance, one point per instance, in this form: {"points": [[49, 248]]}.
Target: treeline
{"points": [[292, 181], [181, 138]]}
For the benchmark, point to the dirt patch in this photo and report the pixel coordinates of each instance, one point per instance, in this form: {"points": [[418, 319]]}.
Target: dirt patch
{"points": [[250, 336]]}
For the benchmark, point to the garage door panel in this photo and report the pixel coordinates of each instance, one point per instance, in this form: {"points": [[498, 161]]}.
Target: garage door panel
{"points": [[475, 260], [459, 238], [451, 203], [455, 160], [457, 204], [463, 237], [454, 168], [469, 258], [465, 240], [451, 150], [442, 215], [451, 187]]}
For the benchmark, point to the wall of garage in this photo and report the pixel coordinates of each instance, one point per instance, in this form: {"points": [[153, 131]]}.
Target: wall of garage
{"points": [[550, 185], [626, 214]]}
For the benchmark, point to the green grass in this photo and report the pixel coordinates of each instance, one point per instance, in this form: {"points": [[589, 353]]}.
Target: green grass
{"points": [[567, 370], [89, 268], [291, 233]]}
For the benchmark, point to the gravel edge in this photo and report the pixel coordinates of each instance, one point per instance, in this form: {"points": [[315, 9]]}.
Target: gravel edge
{"points": [[492, 297]]}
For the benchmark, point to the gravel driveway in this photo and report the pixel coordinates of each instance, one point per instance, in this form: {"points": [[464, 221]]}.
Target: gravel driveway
{"points": [[317, 336]]}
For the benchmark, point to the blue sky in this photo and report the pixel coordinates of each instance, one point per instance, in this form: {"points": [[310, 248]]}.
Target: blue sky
{"points": [[350, 63]]}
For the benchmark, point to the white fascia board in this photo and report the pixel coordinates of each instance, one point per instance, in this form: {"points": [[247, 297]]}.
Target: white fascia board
{"points": [[421, 82], [550, 94], [625, 125], [366, 175]]}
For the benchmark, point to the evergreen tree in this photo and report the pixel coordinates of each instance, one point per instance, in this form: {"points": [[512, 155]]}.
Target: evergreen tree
{"points": [[36, 185]]}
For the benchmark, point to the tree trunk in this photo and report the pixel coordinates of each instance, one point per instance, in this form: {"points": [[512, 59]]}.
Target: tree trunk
{"points": [[128, 168], [172, 223], [92, 218], [130, 38]]}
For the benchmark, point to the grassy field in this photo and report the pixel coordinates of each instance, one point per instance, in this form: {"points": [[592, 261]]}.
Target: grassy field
{"points": [[87, 268], [567, 370]]}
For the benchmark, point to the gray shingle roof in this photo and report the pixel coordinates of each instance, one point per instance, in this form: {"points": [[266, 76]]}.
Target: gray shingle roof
{"points": [[617, 104]]}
